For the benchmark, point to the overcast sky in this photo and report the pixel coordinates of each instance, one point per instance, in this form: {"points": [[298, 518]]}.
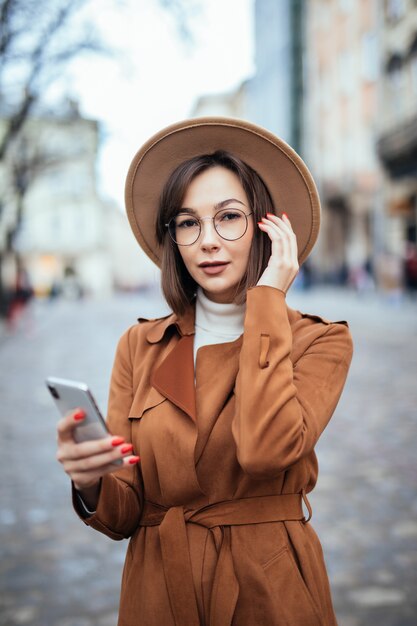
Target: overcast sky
{"points": [[157, 77]]}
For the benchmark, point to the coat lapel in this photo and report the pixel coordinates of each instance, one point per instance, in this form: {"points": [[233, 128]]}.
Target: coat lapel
{"points": [[216, 370], [174, 377]]}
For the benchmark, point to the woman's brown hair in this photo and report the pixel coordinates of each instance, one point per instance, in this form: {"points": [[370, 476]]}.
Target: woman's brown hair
{"points": [[178, 286]]}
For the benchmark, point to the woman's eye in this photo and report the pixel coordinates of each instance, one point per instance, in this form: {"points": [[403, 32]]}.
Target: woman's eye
{"points": [[187, 223], [229, 216]]}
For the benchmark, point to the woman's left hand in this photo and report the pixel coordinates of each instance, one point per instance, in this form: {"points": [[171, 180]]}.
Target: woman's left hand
{"points": [[283, 265]]}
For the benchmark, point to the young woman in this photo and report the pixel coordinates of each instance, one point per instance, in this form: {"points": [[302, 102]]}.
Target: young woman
{"points": [[224, 399]]}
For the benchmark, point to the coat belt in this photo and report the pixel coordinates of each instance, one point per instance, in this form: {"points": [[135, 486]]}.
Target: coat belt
{"points": [[176, 556]]}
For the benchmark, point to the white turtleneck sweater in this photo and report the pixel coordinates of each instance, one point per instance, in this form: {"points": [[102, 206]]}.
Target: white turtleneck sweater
{"points": [[216, 322]]}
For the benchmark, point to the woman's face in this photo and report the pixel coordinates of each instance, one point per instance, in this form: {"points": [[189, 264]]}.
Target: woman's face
{"points": [[217, 189]]}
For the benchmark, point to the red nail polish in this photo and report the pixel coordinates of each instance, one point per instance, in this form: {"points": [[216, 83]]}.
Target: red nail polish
{"points": [[270, 214], [260, 222], [127, 448], [133, 460], [79, 415], [285, 215], [116, 441]]}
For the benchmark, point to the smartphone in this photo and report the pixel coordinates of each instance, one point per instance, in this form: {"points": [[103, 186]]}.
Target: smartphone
{"points": [[69, 395]]}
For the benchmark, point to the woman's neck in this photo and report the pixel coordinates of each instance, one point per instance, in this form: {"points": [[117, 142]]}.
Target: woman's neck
{"points": [[223, 319]]}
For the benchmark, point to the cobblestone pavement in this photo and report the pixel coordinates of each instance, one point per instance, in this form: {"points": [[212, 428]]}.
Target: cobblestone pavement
{"points": [[54, 571]]}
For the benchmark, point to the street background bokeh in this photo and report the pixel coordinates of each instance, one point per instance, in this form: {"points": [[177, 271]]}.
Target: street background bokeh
{"points": [[337, 79]]}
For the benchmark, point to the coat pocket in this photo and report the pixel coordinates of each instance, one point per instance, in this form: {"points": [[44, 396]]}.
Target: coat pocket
{"points": [[142, 402], [294, 604]]}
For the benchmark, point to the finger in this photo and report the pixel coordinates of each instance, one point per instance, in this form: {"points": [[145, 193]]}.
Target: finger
{"points": [[275, 222], [281, 228], [294, 246], [282, 251], [285, 226], [70, 450], [286, 220], [273, 233], [99, 446], [282, 222], [276, 219], [97, 461], [66, 425], [280, 241], [271, 230], [81, 478]]}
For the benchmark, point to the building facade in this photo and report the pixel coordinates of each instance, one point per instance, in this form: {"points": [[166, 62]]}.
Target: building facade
{"points": [[360, 137], [340, 111], [337, 79], [397, 137], [275, 92], [68, 238], [229, 104]]}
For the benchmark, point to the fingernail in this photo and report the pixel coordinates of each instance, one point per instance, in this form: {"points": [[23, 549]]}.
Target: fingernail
{"points": [[270, 214], [260, 223], [116, 441], [134, 459], [127, 448], [79, 415], [285, 215]]}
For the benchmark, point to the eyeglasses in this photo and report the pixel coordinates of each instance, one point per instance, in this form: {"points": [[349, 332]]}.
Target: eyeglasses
{"points": [[230, 224]]}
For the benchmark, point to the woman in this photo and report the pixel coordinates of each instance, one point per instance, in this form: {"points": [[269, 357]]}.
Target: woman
{"points": [[224, 399]]}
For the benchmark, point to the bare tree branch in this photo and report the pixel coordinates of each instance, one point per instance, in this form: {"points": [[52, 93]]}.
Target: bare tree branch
{"points": [[42, 60], [5, 34], [182, 11]]}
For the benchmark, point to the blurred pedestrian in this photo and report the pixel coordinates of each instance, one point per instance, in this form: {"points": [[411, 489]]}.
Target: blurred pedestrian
{"points": [[19, 297], [410, 266], [222, 401], [71, 288]]}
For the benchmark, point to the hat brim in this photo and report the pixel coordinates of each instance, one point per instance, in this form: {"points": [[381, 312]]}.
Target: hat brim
{"points": [[285, 174]]}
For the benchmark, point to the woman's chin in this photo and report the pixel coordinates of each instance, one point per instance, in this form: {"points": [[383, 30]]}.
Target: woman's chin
{"points": [[219, 293]]}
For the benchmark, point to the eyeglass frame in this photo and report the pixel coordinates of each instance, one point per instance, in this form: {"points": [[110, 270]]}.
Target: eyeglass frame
{"points": [[202, 219]]}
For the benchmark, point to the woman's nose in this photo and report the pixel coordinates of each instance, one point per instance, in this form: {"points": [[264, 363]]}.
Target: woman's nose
{"points": [[209, 236]]}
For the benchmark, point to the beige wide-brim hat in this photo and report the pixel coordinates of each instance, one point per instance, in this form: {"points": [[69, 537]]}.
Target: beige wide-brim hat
{"points": [[282, 170]]}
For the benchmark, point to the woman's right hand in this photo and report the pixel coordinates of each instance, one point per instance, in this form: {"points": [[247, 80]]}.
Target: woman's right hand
{"points": [[86, 462]]}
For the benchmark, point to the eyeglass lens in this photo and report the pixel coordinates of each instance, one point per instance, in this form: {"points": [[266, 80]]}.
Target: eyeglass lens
{"points": [[230, 224]]}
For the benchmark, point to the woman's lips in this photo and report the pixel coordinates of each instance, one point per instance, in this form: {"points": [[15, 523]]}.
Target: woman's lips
{"points": [[214, 269]]}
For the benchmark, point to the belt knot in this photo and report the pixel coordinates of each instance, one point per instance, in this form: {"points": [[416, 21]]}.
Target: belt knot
{"points": [[176, 558]]}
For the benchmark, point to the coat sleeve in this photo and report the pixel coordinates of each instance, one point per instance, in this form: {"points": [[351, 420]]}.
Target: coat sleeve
{"points": [[282, 408], [120, 500]]}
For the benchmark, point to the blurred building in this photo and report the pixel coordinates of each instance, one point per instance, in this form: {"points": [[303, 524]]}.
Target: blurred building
{"points": [[360, 137], [275, 92], [68, 239], [273, 96], [397, 136], [340, 113], [131, 268], [229, 104], [62, 233], [337, 79], [358, 133]]}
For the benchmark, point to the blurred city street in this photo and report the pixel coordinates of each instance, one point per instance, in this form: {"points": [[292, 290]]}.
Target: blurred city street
{"points": [[57, 572], [83, 84]]}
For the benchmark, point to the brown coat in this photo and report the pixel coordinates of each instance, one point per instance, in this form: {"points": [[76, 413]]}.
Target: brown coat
{"points": [[214, 514]]}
